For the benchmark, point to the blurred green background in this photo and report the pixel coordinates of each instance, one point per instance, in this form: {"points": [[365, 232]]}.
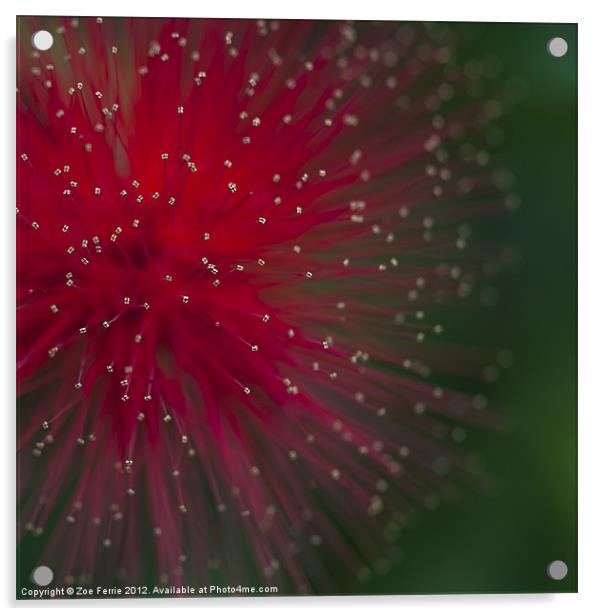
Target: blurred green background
{"points": [[504, 542]]}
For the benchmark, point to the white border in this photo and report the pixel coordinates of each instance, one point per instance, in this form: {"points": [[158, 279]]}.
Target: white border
{"points": [[590, 306]]}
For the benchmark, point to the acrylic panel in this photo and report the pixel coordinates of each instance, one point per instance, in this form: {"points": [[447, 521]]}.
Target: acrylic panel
{"points": [[296, 307]]}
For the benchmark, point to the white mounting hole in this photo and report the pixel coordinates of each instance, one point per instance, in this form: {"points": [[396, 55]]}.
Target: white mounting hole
{"points": [[42, 575], [557, 47], [557, 570], [42, 40]]}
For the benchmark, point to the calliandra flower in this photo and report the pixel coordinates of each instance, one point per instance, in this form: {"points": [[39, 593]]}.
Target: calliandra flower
{"points": [[231, 238]]}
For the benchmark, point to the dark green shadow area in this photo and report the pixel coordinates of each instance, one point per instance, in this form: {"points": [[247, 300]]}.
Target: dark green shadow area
{"points": [[503, 543]]}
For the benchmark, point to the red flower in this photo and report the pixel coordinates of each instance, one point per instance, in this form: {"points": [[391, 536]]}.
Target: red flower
{"points": [[230, 234]]}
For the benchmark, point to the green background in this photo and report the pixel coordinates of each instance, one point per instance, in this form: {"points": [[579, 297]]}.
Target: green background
{"points": [[503, 542]]}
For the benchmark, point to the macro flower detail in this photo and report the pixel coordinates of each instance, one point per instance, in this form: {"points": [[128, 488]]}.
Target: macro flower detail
{"points": [[237, 243]]}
